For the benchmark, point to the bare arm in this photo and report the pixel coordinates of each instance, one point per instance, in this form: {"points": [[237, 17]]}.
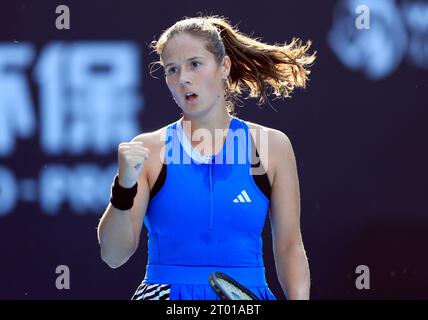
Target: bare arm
{"points": [[119, 230], [290, 257]]}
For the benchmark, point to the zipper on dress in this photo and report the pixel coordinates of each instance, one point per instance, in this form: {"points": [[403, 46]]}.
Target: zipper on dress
{"points": [[210, 165]]}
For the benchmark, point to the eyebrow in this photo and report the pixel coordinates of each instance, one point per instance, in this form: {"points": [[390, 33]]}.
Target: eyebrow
{"points": [[190, 59]]}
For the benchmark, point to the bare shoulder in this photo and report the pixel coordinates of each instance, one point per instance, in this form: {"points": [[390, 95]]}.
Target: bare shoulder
{"points": [[276, 138], [152, 139], [155, 142], [272, 145], [274, 133]]}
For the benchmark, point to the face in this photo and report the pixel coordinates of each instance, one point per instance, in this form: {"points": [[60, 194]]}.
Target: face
{"points": [[192, 74]]}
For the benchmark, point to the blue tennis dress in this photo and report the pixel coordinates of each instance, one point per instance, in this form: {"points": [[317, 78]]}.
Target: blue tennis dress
{"points": [[207, 214]]}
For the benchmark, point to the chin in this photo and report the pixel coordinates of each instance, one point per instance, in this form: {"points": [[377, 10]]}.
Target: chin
{"points": [[194, 110]]}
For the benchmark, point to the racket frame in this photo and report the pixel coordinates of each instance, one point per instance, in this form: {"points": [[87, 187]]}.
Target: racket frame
{"points": [[220, 292]]}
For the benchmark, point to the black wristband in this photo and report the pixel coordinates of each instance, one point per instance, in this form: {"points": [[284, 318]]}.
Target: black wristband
{"points": [[122, 198]]}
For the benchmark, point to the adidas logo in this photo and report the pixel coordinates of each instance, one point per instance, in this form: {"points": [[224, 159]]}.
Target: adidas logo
{"points": [[242, 197]]}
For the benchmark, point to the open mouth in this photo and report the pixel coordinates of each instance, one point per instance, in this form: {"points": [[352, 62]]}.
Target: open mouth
{"points": [[191, 96]]}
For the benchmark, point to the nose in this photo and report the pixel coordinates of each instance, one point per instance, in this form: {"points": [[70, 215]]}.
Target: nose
{"points": [[184, 82], [184, 78]]}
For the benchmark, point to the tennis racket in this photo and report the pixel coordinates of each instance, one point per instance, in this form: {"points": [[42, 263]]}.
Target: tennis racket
{"points": [[228, 288]]}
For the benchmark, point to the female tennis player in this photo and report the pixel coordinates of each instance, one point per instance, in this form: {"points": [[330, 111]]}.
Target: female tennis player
{"points": [[204, 184]]}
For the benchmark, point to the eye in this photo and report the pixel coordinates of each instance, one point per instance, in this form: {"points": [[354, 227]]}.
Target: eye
{"points": [[195, 64], [171, 71]]}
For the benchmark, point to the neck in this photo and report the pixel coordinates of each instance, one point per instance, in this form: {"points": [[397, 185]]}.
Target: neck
{"points": [[209, 123], [216, 121]]}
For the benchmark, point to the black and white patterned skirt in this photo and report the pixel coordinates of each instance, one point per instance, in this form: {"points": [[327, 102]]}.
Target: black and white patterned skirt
{"points": [[152, 291]]}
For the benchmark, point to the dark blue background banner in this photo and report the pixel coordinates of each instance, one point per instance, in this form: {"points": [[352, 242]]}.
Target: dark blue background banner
{"points": [[69, 97]]}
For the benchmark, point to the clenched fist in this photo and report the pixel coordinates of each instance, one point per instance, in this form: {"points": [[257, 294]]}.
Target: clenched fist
{"points": [[131, 156]]}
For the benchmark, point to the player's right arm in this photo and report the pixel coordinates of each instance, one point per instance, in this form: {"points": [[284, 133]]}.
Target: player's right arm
{"points": [[119, 230]]}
